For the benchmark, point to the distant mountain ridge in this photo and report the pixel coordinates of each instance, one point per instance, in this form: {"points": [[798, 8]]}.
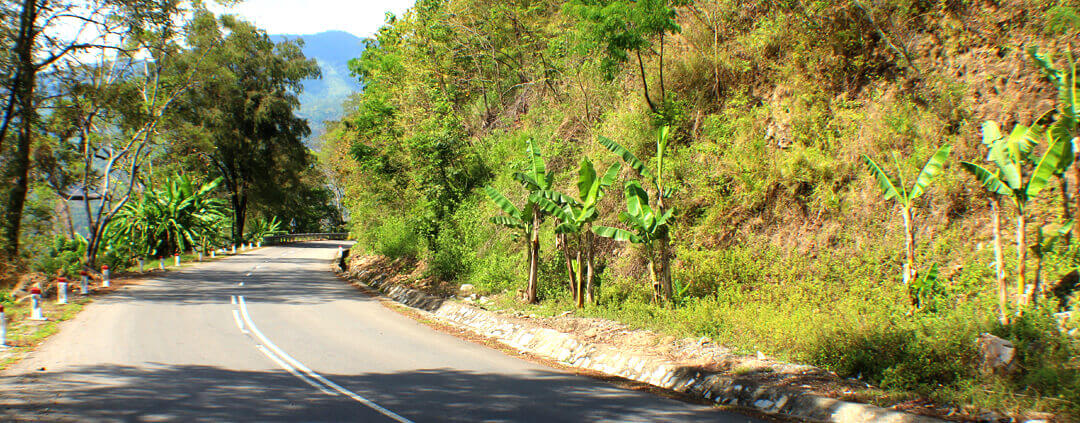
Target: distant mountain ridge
{"points": [[322, 99]]}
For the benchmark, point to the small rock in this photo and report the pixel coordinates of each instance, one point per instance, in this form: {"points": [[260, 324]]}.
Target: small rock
{"points": [[760, 356], [996, 354], [763, 404], [466, 288]]}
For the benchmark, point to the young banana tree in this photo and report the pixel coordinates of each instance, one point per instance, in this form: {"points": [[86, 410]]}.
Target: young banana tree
{"points": [[662, 254], [1066, 126], [576, 216], [1045, 242], [1009, 155], [528, 220], [648, 227], [895, 188]]}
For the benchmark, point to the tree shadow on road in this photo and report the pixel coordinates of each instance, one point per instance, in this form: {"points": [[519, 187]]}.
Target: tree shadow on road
{"points": [[204, 393]]}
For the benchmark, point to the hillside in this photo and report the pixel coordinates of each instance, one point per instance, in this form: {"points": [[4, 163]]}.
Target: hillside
{"points": [[780, 238], [322, 99]]}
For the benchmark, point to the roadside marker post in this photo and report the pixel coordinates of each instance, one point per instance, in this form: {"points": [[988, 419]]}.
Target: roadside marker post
{"points": [[161, 263], [234, 248], [35, 304], [105, 276], [213, 253], [3, 328], [199, 254], [340, 251], [258, 244], [84, 287], [61, 290], [140, 265], [177, 257]]}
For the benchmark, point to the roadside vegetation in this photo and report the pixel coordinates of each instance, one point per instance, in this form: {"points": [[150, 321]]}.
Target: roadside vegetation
{"points": [[158, 130], [833, 183]]}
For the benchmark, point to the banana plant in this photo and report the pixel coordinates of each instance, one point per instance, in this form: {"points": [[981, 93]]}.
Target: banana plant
{"points": [[1044, 244], [528, 219], [895, 188], [1010, 154], [576, 216], [1066, 126], [648, 227], [661, 257]]}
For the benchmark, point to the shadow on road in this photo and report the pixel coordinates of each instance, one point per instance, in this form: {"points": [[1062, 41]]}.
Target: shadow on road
{"points": [[190, 392]]}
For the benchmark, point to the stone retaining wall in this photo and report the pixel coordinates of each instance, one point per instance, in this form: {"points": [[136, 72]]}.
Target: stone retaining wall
{"points": [[720, 388]]}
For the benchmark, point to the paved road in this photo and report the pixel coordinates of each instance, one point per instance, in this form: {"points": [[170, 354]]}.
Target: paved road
{"points": [[273, 335]]}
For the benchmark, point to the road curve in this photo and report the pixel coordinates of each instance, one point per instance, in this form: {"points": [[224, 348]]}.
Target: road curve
{"points": [[274, 335]]}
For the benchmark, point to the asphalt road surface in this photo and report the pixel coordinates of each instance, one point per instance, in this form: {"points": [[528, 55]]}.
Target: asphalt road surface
{"points": [[274, 335]]}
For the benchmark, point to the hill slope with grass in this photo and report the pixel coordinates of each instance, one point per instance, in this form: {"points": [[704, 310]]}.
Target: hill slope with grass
{"points": [[780, 238]]}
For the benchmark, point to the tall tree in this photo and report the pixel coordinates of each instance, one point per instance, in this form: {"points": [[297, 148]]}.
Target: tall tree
{"points": [[244, 121], [35, 47]]}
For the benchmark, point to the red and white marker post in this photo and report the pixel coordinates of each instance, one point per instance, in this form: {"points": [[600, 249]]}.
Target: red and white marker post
{"points": [[84, 286], [35, 304], [177, 258], [3, 328], [213, 253], [141, 265], [61, 290], [234, 248], [105, 276], [161, 263]]}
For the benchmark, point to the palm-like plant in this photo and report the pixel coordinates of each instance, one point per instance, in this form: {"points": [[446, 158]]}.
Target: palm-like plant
{"points": [[170, 220], [262, 228], [895, 188], [1066, 126], [1010, 154], [528, 219], [576, 216], [658, 242]]}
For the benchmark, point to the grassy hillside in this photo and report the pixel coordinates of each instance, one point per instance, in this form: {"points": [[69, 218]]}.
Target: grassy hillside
{"points": [[782, 241]]}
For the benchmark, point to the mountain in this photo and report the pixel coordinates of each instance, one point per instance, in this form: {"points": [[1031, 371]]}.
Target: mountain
{"points": [[322, 98]]}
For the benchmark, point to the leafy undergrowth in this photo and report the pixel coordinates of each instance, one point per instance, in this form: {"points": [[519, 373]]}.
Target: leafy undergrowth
{"points": [[924, 361]]}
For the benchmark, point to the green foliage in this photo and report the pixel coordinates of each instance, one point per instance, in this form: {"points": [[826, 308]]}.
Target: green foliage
{"points": [[171, 220], [262, 227], [65, 255]]}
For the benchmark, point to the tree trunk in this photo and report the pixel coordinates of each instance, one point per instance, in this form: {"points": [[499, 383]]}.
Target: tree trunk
{"points": [[909, 249], [644, 83], [999, 260], [580, 279], [1021, 257], [19, 171], [1066, 212], [589, 258], [664, 272], [534, 257], [570, 274]]}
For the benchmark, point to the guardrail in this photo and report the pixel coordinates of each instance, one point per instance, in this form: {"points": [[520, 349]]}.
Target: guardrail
{"points": [[287, 238]]}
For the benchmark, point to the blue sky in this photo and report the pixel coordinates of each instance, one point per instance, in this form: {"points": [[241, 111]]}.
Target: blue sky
{"points": [[359, 17]]}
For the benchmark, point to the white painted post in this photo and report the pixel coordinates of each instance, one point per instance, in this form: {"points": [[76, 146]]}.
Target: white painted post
{"points": [[84, 287], [3, 328], [61, 290], [213, 253], [258, 244], [234, 248], [141, 265], [340, 251], [161, 263], [105, 276], [35, 304], [177, 257]]}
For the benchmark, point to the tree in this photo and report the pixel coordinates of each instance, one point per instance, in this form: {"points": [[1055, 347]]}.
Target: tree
{"points": [[1010, 154], [576, 216], [1066, 126], [244, 121], [35, 48], [653, 222], [895, 188], [536, 180], [174, 219], [621, 28]]}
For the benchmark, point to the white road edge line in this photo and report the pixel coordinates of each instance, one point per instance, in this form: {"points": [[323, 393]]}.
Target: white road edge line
{"points": [[292, 370], [288, 359]]}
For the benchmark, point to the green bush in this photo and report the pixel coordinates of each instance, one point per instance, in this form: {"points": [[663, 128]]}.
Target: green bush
{"points": [[396, 237], [64, 255]]}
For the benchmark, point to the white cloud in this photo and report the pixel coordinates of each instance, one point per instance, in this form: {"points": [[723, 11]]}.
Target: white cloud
{"points": [[301, 17]]}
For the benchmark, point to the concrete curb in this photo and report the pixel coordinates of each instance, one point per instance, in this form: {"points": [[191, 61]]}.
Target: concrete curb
{"points": [[720, 388]]}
